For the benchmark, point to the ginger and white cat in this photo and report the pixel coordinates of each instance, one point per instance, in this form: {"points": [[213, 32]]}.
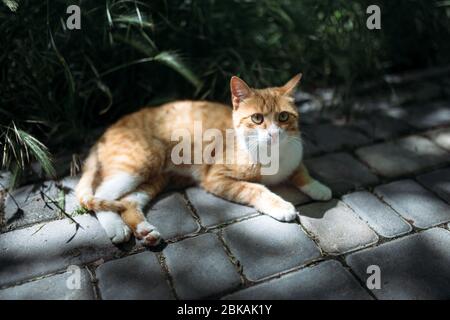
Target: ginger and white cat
{"points": [[131, 163]]}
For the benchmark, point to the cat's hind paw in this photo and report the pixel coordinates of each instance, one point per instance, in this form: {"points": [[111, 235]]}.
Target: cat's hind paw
{"points": [[317, 191], [147, 234], [115, 228]]}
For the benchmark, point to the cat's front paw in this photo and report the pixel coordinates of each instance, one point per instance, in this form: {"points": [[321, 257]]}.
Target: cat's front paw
{"points": [[317, 191], [147, 234], [280, 210]]}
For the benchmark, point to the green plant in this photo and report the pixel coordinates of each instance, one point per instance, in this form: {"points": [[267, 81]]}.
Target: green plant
{"points": [[59, 85]]}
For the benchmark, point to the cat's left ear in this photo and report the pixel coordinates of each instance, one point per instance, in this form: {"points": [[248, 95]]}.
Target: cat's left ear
{"points": [[239, 91], [291, 85]]}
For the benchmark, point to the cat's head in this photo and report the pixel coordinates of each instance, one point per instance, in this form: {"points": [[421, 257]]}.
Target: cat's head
{"points": [[265, 115]]}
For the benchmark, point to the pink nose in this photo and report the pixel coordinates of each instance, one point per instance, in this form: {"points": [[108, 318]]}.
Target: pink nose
{"points": [[273, 136]]}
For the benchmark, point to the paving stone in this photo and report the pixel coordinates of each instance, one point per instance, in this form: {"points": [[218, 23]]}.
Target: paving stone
{"points": [[378, 215], [200, 267], [326, 281], [5, 180], [441, 137], [336, 228], [213, 210], [34, 208], [412, 267], [341, 172], [169, 212], [404, 156], [45, 248], [429, 115], [56, 287], [291, 194], [171, 216], [417, 205], [426, 91], [381, 126], [329, 137], [136, 277], [68, 185], [265, 246], [309, 148], [438, 181]]}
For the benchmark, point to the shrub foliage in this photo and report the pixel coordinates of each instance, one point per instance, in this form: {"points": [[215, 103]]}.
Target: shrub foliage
{"points": [[57, 85]]}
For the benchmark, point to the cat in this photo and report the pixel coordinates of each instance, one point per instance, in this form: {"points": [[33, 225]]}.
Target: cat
{"points": [[131, 163]]}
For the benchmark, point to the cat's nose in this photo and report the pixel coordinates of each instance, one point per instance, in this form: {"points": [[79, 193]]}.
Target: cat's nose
{"points": [[273, 136]]}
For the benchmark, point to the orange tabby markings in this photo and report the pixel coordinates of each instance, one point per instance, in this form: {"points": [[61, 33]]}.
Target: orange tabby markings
{"points": [[131, 163]]}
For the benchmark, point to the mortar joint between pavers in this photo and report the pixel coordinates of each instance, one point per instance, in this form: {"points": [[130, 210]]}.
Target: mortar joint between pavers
{"points": [[193, 211], [379, 236], [225, 224], [414, 229], [209, 230], [310, 235], [361, 282], [2, 209], [94, 281], [235, 261], [166, 271], [36, 278], [277, 275], [428, 188]]}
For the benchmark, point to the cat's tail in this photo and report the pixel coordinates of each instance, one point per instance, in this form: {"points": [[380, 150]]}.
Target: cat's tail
{"points": [[85, 192]]}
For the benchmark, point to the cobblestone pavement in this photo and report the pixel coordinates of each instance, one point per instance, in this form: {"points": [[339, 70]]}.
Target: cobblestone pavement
{"points": [[390, 173]]}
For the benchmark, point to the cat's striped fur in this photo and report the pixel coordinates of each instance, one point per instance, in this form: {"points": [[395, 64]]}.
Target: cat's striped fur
{"points": [[131, 162]]}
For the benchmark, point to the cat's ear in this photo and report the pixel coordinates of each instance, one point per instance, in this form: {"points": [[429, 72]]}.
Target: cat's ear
{"points": [[239, 91], [291, 85]]}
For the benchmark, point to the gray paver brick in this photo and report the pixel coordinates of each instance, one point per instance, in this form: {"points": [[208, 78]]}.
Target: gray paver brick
{"points": [[441, 137], [416, 204], [169, 212], [325, 281], [381, 127], [377, 214], [265, 246], [309, 148], [135, 277], [5, 180], [413, 267], [52, 246], [52, 288], [342, 137], [68, 185], [213, 210], [337, 229], [34, 207], [291, 194], [200, 267], [341, 172], [438, 181], [403, 156], [429, 115], [171, 216]]}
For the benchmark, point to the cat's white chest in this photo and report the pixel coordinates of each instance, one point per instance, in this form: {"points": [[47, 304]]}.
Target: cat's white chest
{"points": [[291, 155]]}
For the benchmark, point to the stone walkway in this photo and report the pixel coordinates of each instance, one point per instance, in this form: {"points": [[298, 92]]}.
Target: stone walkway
{"points": [[390, 173]]}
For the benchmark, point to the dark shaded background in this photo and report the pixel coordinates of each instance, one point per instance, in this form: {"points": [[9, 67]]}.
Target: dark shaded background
{"points": [[58, 86]]}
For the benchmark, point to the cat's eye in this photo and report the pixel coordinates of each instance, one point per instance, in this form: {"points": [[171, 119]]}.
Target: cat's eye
{"points": [[283, 116], [257, 118]]}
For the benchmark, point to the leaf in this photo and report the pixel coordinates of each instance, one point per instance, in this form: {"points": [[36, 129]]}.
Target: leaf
{"points": [[38, 150], [13, 5], [133, 20], [173, 61]]}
